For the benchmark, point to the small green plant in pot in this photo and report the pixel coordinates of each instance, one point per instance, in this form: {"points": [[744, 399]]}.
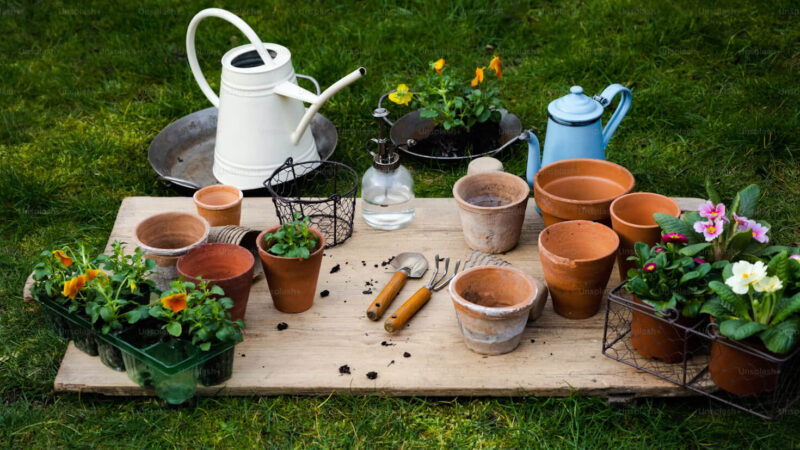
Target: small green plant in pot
{"points": [[673, 281], [757, 305], [291, 255]]}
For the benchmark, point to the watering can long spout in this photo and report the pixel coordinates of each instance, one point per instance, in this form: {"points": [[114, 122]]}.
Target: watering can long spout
{"points": [[292, 90]]}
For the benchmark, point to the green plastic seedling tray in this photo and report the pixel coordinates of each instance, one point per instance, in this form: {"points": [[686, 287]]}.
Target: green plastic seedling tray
{"points": [[118, 340]]}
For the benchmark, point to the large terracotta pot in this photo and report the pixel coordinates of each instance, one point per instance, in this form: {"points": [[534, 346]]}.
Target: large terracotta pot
{"points": [[632, 219], [579, 189], [577, 258], [492, 209], [660, 339], [219, 204], [292, 281], [166, 237], [492, 306], [225, 265], [739, 372]]}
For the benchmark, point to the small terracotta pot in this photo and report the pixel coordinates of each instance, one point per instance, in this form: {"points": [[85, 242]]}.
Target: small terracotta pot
{"points": [[492, 209], [577, 258], [219, 204], [632, 219], [579, 189], [166, 237], [492, 306], [661, 339], [242, 236], [292, 281], [739, 372], [225, 265]]}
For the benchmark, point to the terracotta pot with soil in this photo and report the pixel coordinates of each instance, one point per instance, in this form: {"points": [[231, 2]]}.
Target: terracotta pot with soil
{"points": [[632, 219], [492, 209], [661, 339], [492, 306], [577, 258], [225, 265], [740, 372], [292, 281], [219, 204], [166, 237], [579, 189]]}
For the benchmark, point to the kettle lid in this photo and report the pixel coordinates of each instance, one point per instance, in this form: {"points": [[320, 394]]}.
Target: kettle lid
{"points": [[575, 107]]}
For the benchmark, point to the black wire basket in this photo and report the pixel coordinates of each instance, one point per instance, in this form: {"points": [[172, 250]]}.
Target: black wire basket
{"points": [[323, 191]]}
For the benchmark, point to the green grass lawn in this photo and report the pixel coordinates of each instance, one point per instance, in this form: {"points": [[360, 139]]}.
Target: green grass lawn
{"points": [[84, 87]]}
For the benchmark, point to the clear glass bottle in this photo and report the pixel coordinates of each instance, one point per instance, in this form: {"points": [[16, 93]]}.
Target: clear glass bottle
{"points": [[387, 188]]}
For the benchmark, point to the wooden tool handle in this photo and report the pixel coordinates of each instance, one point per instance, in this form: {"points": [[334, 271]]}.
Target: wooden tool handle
{"points": [[407, 310], [387, 295]]}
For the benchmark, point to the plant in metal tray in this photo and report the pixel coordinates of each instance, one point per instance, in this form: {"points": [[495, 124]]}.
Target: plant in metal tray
{"points": [[717, 233], [292, 240], [668, 275], [132, 271], [759, 300], [452, 102]]}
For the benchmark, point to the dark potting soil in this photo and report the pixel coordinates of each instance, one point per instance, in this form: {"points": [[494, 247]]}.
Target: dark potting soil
{"points": [[457, 142], [282, 326], [406, 355], [344, 370], [325, 293], [387, 344], [367, 292], [372, 375], [335, 268]]}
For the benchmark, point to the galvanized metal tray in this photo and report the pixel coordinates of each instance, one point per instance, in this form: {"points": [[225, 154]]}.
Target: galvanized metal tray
{"points": [[182, 154]]}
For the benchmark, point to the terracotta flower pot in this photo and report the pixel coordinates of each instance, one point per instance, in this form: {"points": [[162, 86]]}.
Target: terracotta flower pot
{"points": [[228, 266], [492, 209], [632, 219], [739, 372], [166, 237], [579, 189], [492, 305], [292, 281], [660, 339], [219, 204], [577, 258]]}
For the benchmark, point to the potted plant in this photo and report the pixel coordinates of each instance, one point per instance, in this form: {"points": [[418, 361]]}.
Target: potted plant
{"points": [[291, 255], [756, 310], [460, 116], [668, 279]]}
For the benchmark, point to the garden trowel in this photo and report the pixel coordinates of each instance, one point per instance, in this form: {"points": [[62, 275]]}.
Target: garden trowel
{"points": [[407, 265]]}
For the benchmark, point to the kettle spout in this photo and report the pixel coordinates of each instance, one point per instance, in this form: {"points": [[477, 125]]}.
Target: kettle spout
{"points": [[316, 100]]}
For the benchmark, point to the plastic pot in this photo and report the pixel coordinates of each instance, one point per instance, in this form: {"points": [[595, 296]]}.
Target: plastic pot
{"points": [[292, 282], [218, 369], [181, 386], [110, 356], [84, 339], [219, 204]]}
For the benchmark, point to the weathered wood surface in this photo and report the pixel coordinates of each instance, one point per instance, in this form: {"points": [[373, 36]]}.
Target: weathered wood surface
{"points": [[305, 358]]}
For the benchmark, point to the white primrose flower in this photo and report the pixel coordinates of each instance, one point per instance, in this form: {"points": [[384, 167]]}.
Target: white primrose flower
{"points": [[746, 275], [768, 284]]}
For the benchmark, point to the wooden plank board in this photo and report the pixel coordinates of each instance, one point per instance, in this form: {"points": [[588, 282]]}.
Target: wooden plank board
{"points": [[557, 356]]}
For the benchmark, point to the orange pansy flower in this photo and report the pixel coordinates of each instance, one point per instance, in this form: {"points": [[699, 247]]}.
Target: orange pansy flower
{"points": [[91, 274], [175, 302], [494, 64], [438, 65], [478, 76], [73, 286], [65, 260]]}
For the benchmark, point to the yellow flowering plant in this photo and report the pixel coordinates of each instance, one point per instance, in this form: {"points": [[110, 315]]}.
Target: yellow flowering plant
{"points": [[452, 102]]}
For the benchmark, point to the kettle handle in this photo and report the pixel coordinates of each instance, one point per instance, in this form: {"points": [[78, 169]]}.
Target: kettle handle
{"points": [[605, 99], [191, 54], [534, 155]]}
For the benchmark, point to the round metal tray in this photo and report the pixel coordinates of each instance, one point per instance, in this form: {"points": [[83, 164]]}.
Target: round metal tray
{"points": [[182, 154]]}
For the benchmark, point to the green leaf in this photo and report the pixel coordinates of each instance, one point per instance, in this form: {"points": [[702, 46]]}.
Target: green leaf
{"points": [[216, 290], [730, 299], [716, 308], [428, 114], [783, 337], [785, 308], [693, 249], [740, 240], [205, 346], [671, 224], [689, 276], [712, 193], [779, 266], [748, 197], [174, 328], [738, 329]]}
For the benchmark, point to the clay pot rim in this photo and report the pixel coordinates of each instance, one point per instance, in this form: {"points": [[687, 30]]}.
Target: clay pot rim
{"points": [[489, 209], [175, 252], [218, 207], [561, 259], [602, 162], [495, 312], [263, 252], [641, 194], [234, 247]]}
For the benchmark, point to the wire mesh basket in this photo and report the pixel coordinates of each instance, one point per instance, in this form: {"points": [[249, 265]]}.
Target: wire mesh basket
{"points": [[692, 354], [323, 191]]}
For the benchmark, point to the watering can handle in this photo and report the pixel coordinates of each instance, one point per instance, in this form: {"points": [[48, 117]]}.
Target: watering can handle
{"points": [[534, 155], [191, 54], [605, 99]]}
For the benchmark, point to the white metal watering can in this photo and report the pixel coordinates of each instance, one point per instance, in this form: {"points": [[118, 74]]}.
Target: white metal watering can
{"points": [[574, 129], [262, 119]]}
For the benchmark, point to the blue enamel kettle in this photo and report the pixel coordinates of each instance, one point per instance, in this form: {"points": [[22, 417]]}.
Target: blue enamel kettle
{"points": [[574, 129]]}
